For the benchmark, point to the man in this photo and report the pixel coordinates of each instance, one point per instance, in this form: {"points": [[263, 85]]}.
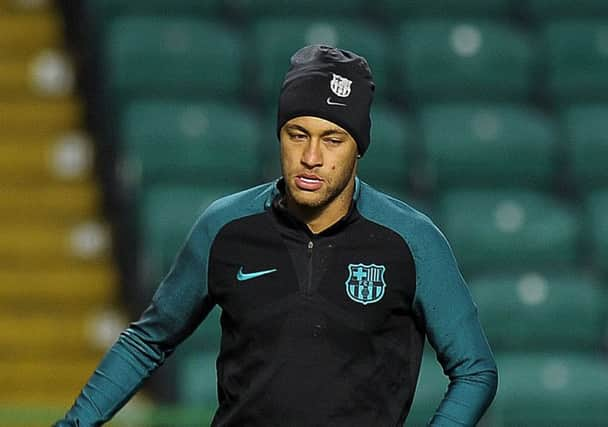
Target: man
{"points": [[327, 286]]}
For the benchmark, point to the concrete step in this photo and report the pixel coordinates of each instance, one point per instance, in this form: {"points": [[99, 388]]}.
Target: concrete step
{"points": [[20, 114], [53, 383], [72, 290], [61, 245], [35, 159], [55, 202], [41, 338], [26, 33], [48, 73], [26, 6]]}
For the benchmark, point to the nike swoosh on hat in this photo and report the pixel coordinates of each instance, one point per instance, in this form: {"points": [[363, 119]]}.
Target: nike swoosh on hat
{"points": [[330, 102]]}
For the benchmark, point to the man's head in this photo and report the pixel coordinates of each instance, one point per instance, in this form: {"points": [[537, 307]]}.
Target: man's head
{"points": [[323, 123]]}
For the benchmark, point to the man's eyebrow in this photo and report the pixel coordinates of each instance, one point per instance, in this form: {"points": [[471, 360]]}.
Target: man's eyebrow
{"points": [[296, 127], [324, 133], [333, 131]]}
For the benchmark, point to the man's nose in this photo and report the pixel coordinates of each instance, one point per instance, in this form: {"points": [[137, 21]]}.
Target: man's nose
{"points": [[312, 155]]}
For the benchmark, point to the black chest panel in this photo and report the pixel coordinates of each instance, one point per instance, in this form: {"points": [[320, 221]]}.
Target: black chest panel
{"points": [[315, 328]]}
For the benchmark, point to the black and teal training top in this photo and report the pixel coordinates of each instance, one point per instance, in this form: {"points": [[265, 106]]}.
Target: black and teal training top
{"points": [[317, 329]]}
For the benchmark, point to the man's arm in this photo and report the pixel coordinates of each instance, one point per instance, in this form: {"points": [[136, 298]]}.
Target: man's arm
{"points": [[178, 306], [445, 305]]}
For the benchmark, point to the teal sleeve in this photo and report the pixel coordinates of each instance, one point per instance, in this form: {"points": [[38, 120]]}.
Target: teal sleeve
{"points": [[450, 317], [177, 308]]}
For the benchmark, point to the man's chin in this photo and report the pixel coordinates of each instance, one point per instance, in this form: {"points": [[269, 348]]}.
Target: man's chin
{"points": [[310, 203], [307, 199]]}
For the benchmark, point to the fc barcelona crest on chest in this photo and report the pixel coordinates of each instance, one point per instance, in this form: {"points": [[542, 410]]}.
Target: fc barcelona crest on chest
{"points": [[365, 283], [340, 85]]}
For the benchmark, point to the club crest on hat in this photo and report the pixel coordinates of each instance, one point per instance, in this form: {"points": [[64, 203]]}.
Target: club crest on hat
{"points": [[340, 85], [365, 283]]}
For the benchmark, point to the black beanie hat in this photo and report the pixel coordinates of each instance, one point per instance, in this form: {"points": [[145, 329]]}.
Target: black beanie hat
{"points": [[330, 83]]}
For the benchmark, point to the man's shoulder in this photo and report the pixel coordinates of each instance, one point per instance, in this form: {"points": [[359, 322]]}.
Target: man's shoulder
{"points": [[244, 203], [412, 225], [376, 204], [250, 199]]}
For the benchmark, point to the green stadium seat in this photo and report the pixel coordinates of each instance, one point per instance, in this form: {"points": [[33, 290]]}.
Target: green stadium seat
{"points": [[305, 8], [551, 390], [270, 148], [555, 9], [577, 60], [271, 53], [390, 158], [197, 380], [196, 363], [171, 57], [106, 10], [181, 142], [509, 229], [165, 216], [167, 415], [432, 385], [97, 15], [541, 312], [597, 228], [586, 131], [419, 203], [207, 338], [399, 9], [484, 145], [453, 60]]}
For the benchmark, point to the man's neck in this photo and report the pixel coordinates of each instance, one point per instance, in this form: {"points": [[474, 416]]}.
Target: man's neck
{"points": [[319, 219]]}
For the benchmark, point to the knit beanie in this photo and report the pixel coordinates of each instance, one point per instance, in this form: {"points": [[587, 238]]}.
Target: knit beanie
{"points": [[330, 83]]}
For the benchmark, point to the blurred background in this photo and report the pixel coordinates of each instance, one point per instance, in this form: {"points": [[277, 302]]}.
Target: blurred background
{"points": [[120, 121]]}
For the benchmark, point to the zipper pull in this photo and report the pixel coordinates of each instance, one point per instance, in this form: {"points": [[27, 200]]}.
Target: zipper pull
{"points": [[310, 246]]}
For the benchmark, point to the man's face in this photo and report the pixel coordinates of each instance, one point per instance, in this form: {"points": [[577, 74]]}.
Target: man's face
{"points": [[318, 160]]}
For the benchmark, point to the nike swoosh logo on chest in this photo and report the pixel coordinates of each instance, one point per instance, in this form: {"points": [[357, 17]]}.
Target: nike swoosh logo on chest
{"points": [[241, 276]]}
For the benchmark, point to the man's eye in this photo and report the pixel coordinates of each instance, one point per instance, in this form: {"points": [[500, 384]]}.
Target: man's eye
{"points": [[335, 140], [298, 136]]}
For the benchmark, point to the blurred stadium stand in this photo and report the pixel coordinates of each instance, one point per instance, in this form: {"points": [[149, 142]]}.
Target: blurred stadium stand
{"points": [[59, 282], [120, 121]]}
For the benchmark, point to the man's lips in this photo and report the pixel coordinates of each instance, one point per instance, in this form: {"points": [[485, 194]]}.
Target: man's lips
{"points": [[308, 182]]}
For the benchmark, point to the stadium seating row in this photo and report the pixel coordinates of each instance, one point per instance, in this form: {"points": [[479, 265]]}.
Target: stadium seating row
{"points": [[550, 312], [443, 146], [490, 231], [548, 375], [44, 30], [103, 10], [429, 60], [545, 391]]}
